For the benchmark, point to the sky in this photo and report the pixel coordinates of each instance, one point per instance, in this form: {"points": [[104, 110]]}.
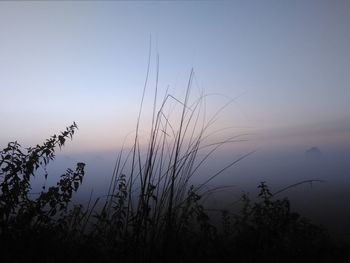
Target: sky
{"points": [[286, 63]]}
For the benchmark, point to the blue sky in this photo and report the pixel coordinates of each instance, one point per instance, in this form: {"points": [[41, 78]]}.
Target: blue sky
{"points": [[287, 61]]}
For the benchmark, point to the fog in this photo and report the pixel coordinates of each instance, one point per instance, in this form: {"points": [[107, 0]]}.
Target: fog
{"points": [[323, 202]]}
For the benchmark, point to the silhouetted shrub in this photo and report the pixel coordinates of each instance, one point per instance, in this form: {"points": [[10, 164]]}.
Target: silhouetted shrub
{"points": [[47, 228], [268, 231]]}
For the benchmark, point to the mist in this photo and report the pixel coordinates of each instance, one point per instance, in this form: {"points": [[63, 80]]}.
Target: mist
{"points": [[322, 195]]}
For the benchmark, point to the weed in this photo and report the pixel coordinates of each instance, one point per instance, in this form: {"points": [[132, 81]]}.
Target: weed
{"points": [[152, 212]]}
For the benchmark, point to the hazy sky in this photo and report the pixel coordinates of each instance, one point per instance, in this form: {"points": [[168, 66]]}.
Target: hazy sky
{"points": [[287, 61]]}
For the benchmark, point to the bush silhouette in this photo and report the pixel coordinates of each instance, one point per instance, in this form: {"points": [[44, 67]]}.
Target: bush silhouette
{"points": [[48, 228], [151, 212]]}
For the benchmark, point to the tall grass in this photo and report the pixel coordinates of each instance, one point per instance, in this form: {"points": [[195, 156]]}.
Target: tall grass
{"points": [[152, 211], [151, 200]]}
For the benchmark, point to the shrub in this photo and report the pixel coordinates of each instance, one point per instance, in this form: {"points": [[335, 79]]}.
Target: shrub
{"points": [[26, 218]]}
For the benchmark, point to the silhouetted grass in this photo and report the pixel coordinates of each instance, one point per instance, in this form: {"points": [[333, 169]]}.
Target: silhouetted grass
{"points": [[155, 203], [47, 229], [151, 212]]}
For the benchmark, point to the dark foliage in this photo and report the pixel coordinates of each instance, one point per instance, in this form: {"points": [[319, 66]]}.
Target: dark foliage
{"points": [[47, 228]]}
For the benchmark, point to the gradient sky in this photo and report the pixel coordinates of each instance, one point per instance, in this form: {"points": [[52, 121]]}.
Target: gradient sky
{"points": [[287, 61]]}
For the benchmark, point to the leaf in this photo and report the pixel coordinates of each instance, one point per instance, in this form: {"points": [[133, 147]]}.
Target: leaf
{"points": [[76, 186]]}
